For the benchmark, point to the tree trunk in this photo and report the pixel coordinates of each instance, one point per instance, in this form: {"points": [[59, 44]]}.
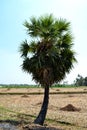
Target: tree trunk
{"points": [[42, 114]]}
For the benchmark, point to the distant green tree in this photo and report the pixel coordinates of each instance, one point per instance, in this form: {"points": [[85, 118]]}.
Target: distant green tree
{"points": [[81, 81], [49, 55], [85, 81]]}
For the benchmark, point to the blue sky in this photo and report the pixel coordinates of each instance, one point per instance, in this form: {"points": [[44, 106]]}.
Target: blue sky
{"points": [[13, 13]]}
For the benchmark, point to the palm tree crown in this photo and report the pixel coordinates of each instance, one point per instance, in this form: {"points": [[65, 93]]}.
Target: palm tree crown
{"points": [[49, 56]]}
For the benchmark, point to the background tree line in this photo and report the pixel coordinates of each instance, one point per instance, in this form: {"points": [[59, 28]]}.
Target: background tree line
{"points": [[80, 81]]}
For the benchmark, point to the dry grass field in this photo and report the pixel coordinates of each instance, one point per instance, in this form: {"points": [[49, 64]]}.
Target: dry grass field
{"points": [[25, 107]]}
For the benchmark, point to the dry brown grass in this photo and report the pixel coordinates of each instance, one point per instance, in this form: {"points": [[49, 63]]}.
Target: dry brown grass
{"points": [[33, 90], [31, 104]]}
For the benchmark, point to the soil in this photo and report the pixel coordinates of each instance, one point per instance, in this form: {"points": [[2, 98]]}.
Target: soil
{"points": [[32, 90], [38, 127], [9, 126], [70, 107], [74, 108]]}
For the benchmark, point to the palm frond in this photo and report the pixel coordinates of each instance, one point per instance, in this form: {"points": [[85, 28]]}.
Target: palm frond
{"points": [[67, 38], [24, 48], [47, 21], [33, 47], [61, 26], [33, 27]]}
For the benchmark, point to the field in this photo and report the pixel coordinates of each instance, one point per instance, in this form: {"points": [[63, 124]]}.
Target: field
{"points": [[22, 105]]}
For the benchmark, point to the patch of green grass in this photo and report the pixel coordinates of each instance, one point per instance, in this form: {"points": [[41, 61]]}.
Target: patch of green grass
{"points": [[19, 86], [7, 114], [37, 86]]}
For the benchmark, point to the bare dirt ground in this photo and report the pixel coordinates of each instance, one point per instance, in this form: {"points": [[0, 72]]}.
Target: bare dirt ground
{"points": [[32, 90], [30, 105]]}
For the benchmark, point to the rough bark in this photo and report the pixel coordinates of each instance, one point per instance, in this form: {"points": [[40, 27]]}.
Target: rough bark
{"points": [[42, 114]]}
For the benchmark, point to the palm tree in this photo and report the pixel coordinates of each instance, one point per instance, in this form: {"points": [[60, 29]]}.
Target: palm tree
{"points": [[49, 55]]}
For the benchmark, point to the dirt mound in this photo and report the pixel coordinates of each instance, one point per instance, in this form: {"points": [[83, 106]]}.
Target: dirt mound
{"points": [[70, 107], [25, 96], [39, 103], [38, 127], [57, 89]]}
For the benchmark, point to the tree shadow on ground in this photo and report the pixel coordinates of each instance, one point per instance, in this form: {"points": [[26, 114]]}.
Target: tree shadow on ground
{"points": [[12, 125], [38, 127], [9, 125]]}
